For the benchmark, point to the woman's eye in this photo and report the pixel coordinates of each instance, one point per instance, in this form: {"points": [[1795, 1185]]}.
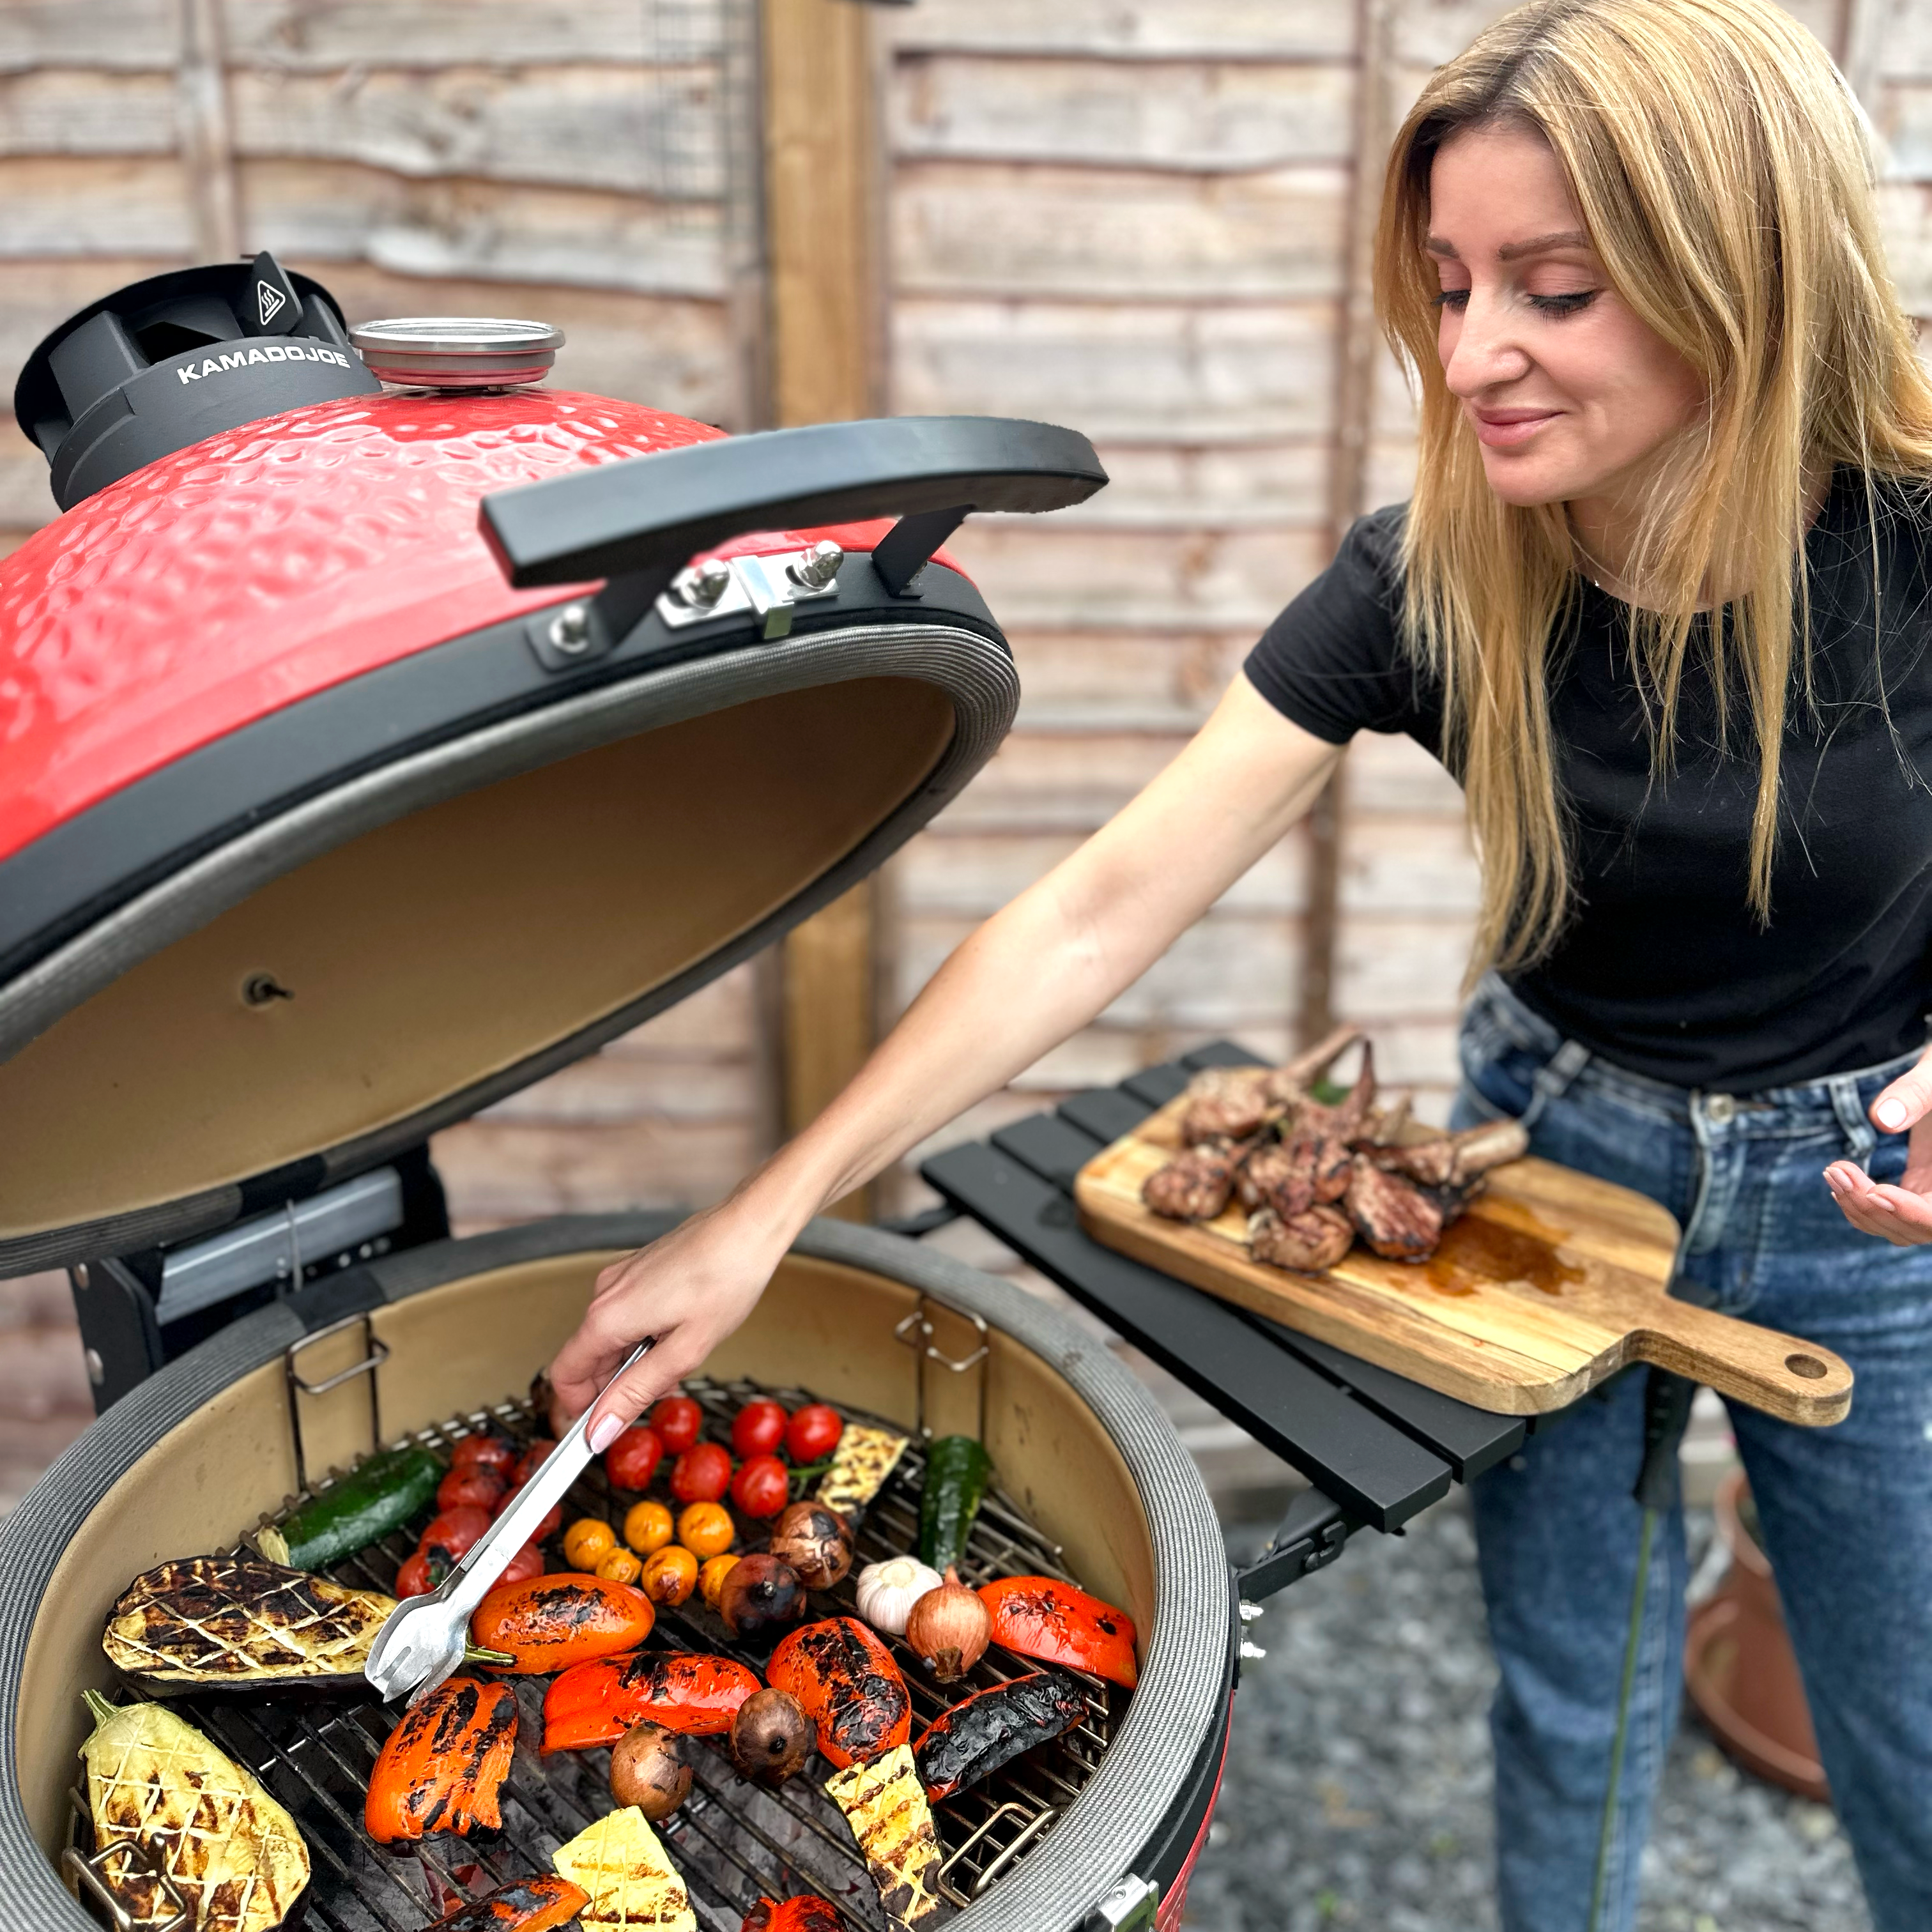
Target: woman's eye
{"points": [[1570, 304], [1453, 298]]}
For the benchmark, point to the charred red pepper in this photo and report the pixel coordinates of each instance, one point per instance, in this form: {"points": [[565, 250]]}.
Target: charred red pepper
{"points": [[441, 1767], [552, 1622], [1042, 1617], [992, 1727], [596, 1703], [530, 1905], [847, 1684], [807, 1912]]}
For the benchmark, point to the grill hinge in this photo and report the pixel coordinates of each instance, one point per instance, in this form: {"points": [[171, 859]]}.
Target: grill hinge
{"points": [[1310, 1537]]}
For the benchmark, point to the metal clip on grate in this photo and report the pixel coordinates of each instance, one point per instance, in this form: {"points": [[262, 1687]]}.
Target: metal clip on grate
{"points": [[916, 1331], [377, 1353], [94, 1876]]}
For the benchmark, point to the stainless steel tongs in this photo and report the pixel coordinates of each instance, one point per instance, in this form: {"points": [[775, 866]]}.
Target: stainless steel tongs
{"points": [[424, 1638]]}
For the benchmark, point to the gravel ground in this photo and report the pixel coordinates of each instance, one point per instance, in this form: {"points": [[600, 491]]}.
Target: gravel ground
{"points": [[1357, 1786]]}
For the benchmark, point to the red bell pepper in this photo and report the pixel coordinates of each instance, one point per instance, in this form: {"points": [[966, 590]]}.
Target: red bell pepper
{"points": [[442, 1766], [1042, 1617], [596, 1703], [549, 1622], [528, 1905], [847, 1684], [807, 1912]]}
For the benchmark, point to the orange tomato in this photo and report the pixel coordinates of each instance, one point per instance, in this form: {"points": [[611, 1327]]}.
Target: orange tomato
{"points": [[586, 1541], [647, 1527], [671, 1574], [711, 1577], [706, 1529], [619, 1566]]}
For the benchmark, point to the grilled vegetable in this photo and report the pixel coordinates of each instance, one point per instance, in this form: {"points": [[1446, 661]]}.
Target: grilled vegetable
{"points": [[596, 1703], [1042, 1617], [771, 1737], [758, 1592], [814, 1541], [229, 1849], [633, 1886], [442, 1764], [863, 1460], [650, 1768], [992, 1727], [807, 1912], [956, 1470], [375, 1498], [889, 1817], [530, 1905], [949, 1629], [847, 1683], [549, 1622], [208, 1620], [887, 1591]]}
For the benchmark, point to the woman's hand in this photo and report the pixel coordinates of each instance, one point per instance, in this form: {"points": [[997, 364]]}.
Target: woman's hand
{"points": [[690, 1288], [1902, 1215]]}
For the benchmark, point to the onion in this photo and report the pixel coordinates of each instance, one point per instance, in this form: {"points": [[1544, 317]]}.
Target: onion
{"points": [[949, 1629], [760, 1591], [771, 1736], [649, 1768], [815, 1542]]}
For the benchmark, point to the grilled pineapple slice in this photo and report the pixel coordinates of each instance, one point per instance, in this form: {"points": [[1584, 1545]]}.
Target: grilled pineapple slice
{"points": [[632, 1885], [864, 1459], [232, 1852], [885, 1805], [204, 1621]]}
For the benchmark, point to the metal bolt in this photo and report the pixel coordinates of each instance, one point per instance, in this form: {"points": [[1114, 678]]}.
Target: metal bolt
{"points": [[97, 1372], [704, 583], [818, 567], [263, 989], [82, 1279], [1251, 1653], [570, 630], [1249, 1611]]}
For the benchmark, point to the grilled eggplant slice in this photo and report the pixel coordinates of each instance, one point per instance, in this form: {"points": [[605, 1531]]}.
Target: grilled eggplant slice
{"points": [[229, 1849], [886, 1809], [207, 1622], [633, 1886]]}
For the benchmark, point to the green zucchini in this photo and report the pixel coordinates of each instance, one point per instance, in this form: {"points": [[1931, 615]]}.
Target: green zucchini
{"points": [[375, 1498], [957, 1468]]}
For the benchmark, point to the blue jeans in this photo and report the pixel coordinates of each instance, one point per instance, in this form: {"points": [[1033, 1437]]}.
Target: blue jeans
{"points": [[1846, 1512]]}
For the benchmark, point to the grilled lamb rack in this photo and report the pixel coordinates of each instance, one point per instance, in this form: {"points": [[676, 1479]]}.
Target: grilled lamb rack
{"points": [[1312, 1240], [1397, 1219], [1227, 1103], [1194, 1186]]}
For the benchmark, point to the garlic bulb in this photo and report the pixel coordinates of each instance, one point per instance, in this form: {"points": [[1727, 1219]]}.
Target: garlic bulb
{"points": [[887, 1591]]}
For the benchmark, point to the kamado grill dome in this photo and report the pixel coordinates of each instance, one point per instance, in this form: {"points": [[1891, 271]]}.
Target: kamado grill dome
{"points": [[373, 752]]}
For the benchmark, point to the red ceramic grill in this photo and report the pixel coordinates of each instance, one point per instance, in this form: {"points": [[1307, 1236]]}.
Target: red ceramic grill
{"points": [[373, 749]]}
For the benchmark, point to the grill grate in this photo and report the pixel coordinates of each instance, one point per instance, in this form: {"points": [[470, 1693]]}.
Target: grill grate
{"points": [[731, 1839]]}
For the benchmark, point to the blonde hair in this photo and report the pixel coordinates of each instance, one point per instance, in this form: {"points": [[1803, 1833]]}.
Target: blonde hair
{"points": [[1723, 173]]}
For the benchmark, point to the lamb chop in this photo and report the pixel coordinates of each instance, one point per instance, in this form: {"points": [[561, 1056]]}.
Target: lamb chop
{"points": [[1312, 1240], [1275, 1175], [1195, 1185], [1227, 1103], [1289, 1083], [1400, 1221], [1457, 1160], [1317, 1138]]}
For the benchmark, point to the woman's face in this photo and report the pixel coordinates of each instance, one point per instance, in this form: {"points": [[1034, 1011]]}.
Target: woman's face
{"points": [[1571, 396]]}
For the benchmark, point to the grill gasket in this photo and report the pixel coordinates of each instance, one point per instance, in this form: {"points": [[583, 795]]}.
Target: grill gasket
{"points": [[732, 1839]]}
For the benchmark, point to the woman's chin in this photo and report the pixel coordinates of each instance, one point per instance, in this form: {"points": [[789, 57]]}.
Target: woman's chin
{"points": [[1524, 481]]}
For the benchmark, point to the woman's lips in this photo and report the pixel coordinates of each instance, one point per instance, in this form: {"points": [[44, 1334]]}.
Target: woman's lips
{"points": [[1507, 429]]}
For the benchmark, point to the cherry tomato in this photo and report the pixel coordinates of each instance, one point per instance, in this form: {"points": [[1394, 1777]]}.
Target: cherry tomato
{"points": [[421, 1572], [527, 1463], [813, 1432], [529, 1561], [552, 1522], [478, 1487], [758, 1428], [632, 1460], [455, 1531], [671, 1574], [484, 1452], [702, 1474], [677, 1419], [760, 1487]]}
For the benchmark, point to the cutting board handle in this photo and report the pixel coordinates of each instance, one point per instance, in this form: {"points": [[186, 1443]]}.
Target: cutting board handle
{"points": [[1796, 1381]]}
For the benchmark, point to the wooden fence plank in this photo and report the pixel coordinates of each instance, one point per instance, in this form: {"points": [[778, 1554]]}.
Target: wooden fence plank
{"points": [[513, 1170], [1196, 115], [1096, 234], [60, 112], [92, 205], [1161, 29], [104, 34], [1100, 672], [1142, 372], [1173, 487]]}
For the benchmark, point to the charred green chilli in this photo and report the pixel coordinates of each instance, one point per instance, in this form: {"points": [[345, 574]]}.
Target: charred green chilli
{"points": [[957, 1468]]}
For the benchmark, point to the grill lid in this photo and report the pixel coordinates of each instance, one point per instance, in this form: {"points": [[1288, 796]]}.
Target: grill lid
{"points": [[322, 833]]}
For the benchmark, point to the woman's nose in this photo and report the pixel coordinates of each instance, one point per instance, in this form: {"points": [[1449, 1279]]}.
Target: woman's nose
{"points": [[1484, 350]]}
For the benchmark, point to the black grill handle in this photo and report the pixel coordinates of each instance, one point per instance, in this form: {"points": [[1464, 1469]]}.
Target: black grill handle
{"points": [[652, 514]]}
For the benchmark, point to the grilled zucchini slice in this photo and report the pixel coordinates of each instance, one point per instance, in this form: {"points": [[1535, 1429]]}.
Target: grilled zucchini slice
{"points": [[866, 1456], [885, 1805], [231, 1851], [633, 1886]]}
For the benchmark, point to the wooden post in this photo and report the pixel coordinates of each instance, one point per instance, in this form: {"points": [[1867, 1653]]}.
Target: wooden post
{"points": [[822, 267], [207, 144], [1347, 476]]}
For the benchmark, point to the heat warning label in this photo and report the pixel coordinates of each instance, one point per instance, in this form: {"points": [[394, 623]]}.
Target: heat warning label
{"points": [[293, 352]]}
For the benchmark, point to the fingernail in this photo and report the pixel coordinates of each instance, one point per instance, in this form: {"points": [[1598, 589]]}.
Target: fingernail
{"points": [[604, 1431], [1890, 1114]]}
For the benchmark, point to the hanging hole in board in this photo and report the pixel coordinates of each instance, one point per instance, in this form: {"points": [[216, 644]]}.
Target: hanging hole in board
{"points": [[1809, 1367]]}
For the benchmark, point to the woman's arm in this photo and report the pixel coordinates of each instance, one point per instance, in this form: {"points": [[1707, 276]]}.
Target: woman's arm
{"points": [[1033, 974]]}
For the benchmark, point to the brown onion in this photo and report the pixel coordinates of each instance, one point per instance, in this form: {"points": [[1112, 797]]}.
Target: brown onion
{"points": [[771, 1736], [760, 1591], [649, 1769], [815, 1542], [949, 1628]]}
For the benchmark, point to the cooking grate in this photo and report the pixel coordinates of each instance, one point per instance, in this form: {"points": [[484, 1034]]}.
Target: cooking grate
{"points": [[732, 1840]]}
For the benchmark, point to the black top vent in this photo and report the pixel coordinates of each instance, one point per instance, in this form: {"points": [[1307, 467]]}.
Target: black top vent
{"points": [[163, 363]]}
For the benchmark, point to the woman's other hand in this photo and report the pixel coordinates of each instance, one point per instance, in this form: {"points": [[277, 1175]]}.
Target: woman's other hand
{"points": [[1901, 1214]]}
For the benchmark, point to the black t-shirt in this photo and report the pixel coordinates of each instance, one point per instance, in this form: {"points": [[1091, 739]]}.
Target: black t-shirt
{"points": [[1664, 968]]}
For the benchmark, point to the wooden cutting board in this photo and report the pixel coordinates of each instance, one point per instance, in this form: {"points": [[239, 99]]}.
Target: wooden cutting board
{"points": [[1552, 1282]]}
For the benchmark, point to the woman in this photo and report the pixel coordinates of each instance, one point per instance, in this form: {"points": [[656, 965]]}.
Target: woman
{"points": [[1629, 247]]}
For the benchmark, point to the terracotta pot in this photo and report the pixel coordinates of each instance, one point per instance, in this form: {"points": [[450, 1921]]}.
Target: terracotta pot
{"points": [[1739, 1664]]}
